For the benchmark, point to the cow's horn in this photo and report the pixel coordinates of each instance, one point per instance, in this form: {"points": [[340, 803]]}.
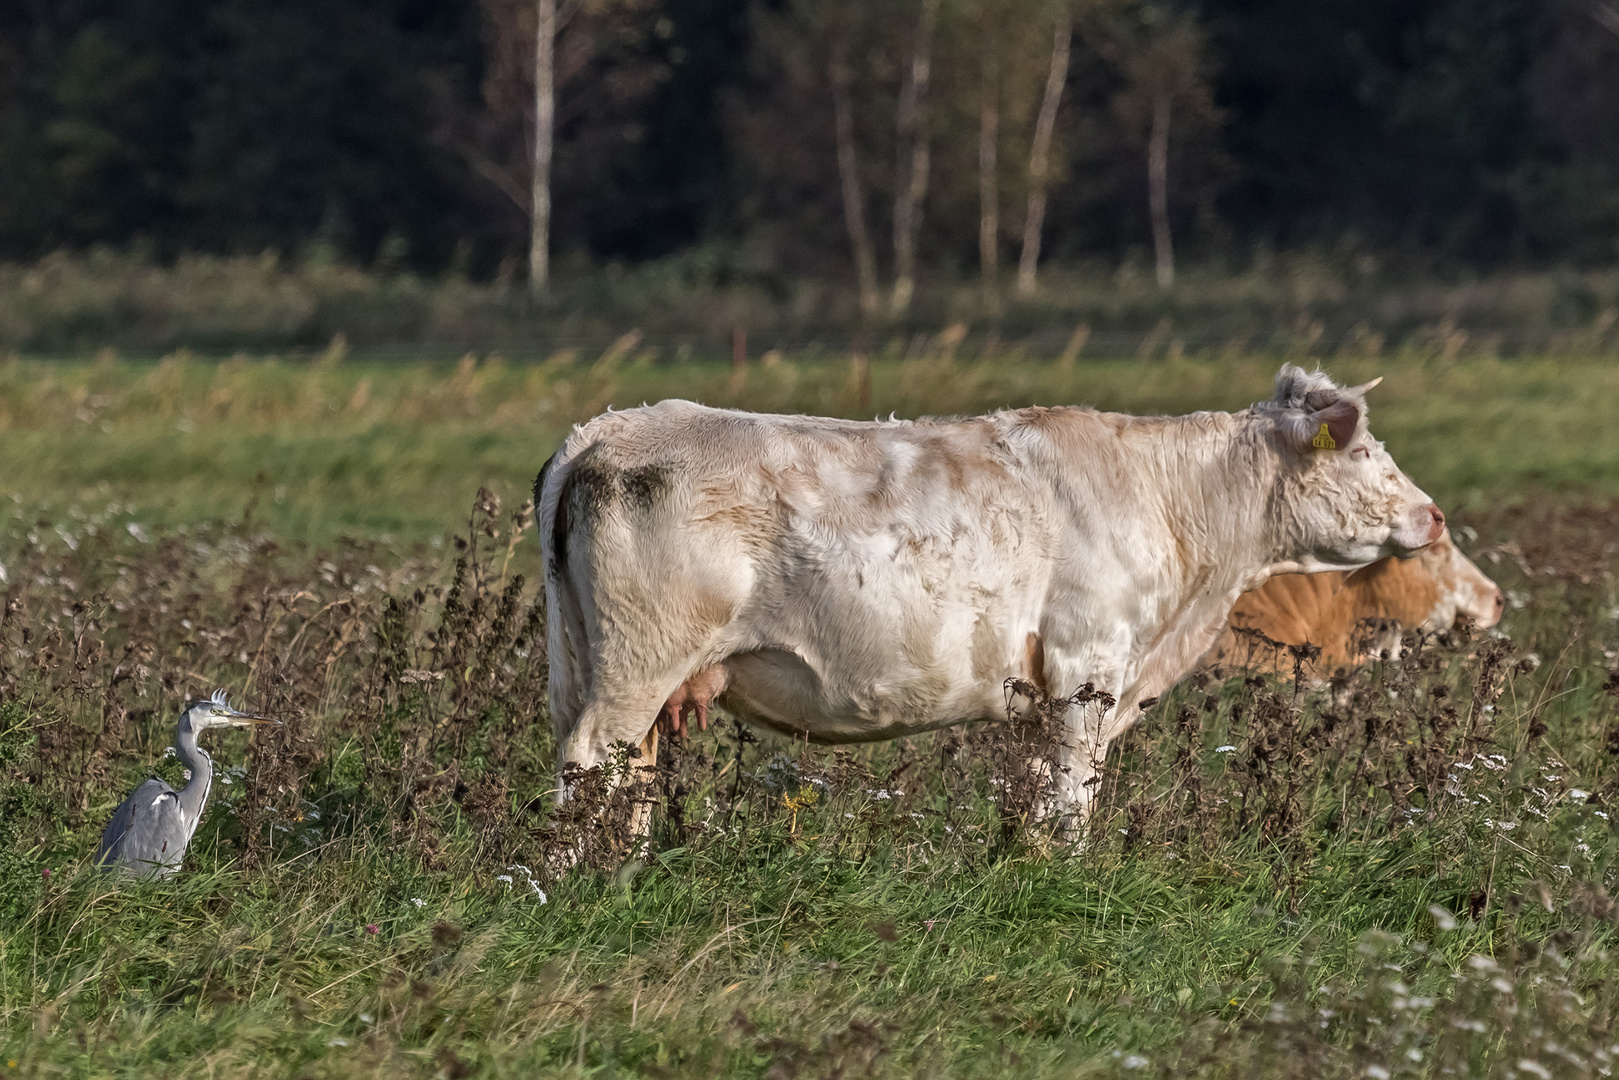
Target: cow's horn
{"points": [[1363, 387]]}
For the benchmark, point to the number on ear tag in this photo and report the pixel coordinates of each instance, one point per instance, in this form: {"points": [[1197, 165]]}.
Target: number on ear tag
{"points": [[1323, 440]]}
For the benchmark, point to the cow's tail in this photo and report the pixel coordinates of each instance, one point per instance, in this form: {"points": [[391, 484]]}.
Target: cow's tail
{"points": [[565, 633]]}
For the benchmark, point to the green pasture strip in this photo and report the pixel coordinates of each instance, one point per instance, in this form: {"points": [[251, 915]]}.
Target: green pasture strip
{"points": [[376, 449]]}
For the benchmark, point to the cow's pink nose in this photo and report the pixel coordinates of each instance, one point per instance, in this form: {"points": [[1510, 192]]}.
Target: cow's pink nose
{"points": [[1437, 516], [1500, 604]]}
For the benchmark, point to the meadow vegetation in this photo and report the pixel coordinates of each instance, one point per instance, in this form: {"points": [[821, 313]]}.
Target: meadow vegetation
{"points": [[1407, 872], [72, 303]]}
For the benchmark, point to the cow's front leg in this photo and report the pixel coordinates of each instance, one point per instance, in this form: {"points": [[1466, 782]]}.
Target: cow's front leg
{"points": [[1083, 731], [1080, 753]]}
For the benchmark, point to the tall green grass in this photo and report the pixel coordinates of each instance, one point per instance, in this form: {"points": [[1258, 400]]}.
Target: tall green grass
{"points": [[1331, 896]]}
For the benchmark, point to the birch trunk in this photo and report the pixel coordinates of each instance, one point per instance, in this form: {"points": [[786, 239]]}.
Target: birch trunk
{"points": [[1158, 190], [912, 159], [989, 193], [854, 208], [1040, 155], [539, 244]]}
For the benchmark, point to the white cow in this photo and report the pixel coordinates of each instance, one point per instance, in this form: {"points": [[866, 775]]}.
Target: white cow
{"points": [[849, 582]]}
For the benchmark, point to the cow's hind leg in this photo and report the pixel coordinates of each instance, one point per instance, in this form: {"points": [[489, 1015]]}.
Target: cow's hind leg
{"points": [[643, 781], [629, 719], [606, 721]]}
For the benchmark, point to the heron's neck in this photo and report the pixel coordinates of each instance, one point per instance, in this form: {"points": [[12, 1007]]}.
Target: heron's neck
{"points": [[194, 796]]}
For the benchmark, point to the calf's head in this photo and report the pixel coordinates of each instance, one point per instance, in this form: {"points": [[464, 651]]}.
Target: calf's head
{"points": [[1464, 592], [1341, 500]]}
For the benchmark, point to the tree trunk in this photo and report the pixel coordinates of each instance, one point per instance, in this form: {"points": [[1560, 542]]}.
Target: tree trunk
{"points": [[989, 193], [1040, 155], [912, 159], [539, 244], [1158, 190], [854, 208]]}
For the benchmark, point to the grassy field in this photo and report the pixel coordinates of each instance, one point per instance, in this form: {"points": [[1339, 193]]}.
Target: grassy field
{"points": [[394, 451], [1409, 874]]}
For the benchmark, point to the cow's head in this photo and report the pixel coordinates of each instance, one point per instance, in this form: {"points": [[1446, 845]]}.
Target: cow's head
{"points": [[1344, 501], [1464, 591]]}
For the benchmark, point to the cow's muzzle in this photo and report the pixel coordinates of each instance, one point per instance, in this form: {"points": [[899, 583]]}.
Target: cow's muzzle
{"points": [[1421, 526], [1436, 522]]}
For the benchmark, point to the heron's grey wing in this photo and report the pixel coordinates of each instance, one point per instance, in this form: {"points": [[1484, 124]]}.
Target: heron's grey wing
{"points": [[112, 837], [146, 834]]}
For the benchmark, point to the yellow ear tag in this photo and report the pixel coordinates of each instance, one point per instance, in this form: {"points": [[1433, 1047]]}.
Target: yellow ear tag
{"points": [[1323, 440]]}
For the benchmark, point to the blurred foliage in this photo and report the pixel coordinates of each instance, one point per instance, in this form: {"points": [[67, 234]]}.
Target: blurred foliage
{"points": [[20, 810], [1322, 302], [394, 133]]}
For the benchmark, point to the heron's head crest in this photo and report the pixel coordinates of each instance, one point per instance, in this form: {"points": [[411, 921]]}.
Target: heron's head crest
{"points": [[217, 711]]}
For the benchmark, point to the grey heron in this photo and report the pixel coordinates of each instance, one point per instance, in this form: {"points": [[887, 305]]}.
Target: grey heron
{"points": [[148, 834]]}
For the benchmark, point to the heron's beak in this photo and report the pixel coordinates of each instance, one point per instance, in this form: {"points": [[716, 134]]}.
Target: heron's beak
{"points": [[242, 719]]}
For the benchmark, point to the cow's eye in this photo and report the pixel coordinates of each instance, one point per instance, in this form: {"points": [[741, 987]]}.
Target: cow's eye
{"points": [[1360, 451]]}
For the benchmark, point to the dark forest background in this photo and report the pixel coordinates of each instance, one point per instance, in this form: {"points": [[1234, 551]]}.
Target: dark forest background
{"points": [[395, 132]]}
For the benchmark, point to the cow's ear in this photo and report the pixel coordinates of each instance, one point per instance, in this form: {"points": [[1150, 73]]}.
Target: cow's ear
{"points": [[1342, 417], [1330, 427]]}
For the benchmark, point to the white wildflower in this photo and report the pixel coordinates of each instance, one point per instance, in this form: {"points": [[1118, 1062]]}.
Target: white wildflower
{"points": [[1226, 749], [539, 893]]}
